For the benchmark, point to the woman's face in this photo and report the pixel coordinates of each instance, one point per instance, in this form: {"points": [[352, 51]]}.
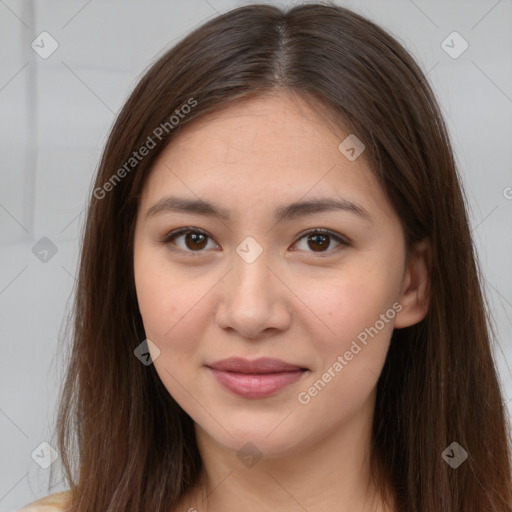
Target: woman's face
{"points": [[254, 284]]}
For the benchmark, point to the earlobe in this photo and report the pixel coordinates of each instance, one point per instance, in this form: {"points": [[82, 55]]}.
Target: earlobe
{"points": [[416, 286]]}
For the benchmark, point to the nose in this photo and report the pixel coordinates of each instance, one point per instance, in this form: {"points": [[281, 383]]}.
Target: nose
{"points": [[254, 299]]}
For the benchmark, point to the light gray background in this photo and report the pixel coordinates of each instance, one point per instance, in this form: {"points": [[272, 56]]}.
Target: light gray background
{"points": [[55, 116]]}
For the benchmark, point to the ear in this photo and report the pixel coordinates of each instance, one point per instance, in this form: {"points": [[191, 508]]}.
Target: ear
{"points": [[415, 294]]}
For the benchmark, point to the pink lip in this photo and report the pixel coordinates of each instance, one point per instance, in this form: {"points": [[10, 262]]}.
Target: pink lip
{"points": [[261, 365], [255, 379], [256, 385]]}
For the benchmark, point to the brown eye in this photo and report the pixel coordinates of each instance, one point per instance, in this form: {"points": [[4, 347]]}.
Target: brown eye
{"points": [[195, 240], [187, 240], [320, 241]]}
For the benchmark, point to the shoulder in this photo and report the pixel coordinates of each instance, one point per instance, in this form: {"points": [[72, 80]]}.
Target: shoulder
{"points": [[53, 503]]}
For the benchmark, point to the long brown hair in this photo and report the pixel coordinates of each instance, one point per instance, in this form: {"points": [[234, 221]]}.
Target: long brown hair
{"points": [[126, 445]]}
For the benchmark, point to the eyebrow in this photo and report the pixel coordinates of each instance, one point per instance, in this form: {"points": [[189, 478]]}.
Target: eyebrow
{"points": [[282, 213]]}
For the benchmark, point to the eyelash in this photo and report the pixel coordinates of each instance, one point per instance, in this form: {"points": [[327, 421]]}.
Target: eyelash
{"points": [[168, 238]]}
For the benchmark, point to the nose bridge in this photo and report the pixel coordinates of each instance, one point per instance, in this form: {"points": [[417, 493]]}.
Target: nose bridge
{"points": [[250, 282], [252, 299]]}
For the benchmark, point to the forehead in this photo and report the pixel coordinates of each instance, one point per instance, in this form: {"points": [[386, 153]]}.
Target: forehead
{"points": [[273, 147], [267, 127]]}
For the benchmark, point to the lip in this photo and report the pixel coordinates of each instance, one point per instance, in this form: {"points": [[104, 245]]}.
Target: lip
{"points": [[262, 365], [255, 379]]}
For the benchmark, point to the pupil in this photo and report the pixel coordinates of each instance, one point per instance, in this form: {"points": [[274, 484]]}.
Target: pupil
{"points": [[193, 237], [317, 239]]}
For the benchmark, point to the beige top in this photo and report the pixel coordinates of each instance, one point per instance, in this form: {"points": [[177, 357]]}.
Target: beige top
{"points": [[53, 503]]}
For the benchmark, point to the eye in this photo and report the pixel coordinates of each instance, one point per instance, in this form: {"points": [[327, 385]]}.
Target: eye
{"points": [[196, 239], [320, 239]]}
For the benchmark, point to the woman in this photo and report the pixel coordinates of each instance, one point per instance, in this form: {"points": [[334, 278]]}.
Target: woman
{"points": [[278, 301]]}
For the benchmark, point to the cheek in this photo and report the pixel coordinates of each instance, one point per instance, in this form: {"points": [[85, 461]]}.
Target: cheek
{"points": [[348, 303], [168, 302], [156, 301], [171, 317], [352, 348], [352, 341]]}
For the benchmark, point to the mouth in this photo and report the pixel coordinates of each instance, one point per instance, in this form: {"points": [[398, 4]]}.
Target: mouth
{"points": [[256, 379], [264, 365]]}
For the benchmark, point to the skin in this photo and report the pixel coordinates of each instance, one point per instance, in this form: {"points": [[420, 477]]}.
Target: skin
{"points": [[303, 306]]}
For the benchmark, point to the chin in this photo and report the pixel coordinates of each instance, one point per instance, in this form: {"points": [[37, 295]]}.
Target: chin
{"points": [[258, 440]]}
